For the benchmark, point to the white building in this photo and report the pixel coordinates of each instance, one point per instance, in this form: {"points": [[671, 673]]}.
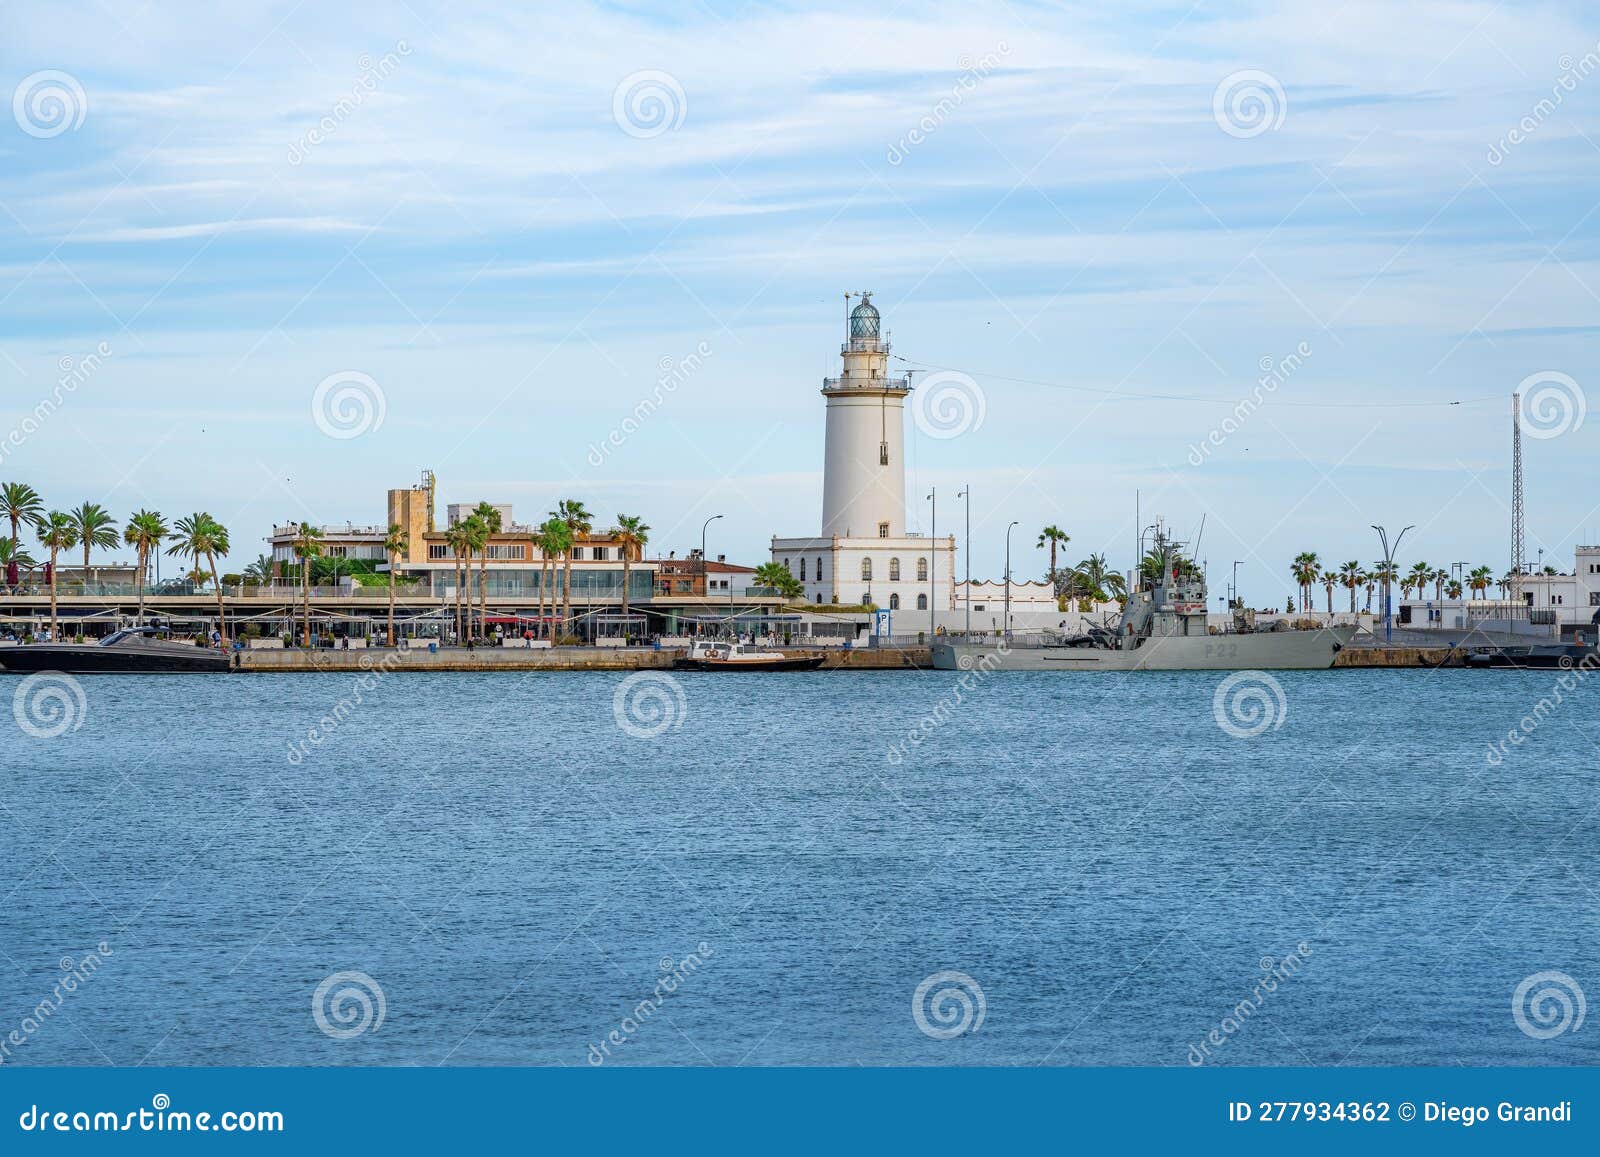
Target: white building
{"points": [[864, 552], [1553, 603]]}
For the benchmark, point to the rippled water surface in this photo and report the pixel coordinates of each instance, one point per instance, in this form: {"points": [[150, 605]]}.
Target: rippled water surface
{"points": [[511, 868]]}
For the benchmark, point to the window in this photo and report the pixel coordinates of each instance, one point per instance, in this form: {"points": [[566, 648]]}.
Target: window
{"points": [[507, 550], [922, 570], [802, 570], [866, 570], [894, 602], [1557, 600], [1594, 598], [883, 530], [600, 554], [894, 570], [438, 550], [978, 607], [922, 602], [577, 553], [338, 552], [819, 568], [787, 567]]}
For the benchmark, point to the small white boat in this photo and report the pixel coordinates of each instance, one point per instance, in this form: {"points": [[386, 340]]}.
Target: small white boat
{"points": [[724, 655]]}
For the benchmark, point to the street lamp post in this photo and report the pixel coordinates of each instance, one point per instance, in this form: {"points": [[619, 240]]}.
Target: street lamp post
{"points": [[1006, 622], [966, 493], [1388, 569], [705, 573], [933, 568], [1234, 597]]}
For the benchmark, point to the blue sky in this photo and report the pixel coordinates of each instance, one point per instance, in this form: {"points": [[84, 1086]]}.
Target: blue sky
{"points": [[509, 250]]}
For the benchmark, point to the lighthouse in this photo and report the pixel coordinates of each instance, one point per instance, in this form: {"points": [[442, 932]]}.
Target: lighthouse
{"points": [[865, 553], [863, 475]]}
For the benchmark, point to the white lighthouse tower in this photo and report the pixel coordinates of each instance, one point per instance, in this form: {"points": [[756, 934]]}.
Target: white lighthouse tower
{"points": [[863, 474], [865, 554]]}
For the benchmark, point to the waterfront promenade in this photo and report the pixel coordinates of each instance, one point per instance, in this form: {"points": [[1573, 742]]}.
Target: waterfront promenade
{"points": [[649, 658]]}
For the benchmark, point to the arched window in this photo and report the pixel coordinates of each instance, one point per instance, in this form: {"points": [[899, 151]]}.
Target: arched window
{"points": [[922, 602], [802, 569], [894, 570], [787, 567], [894, 602], [922, 570], [866, 570], [819, 568]]}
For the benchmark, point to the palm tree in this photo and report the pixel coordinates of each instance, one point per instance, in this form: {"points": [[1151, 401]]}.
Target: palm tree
{"points": [[1098, 581], [307, 545], [1453, 589], [144, 533], [1330, 579], [1053, 536], [1421, 575], [459, 538], [554, 540], [95, 527], [1440, 577], [580, 522], [1479, 579], [490, 517], [774, 576], [20, 503], [477, 542], [198, 535], [1306, 569], [1350, 579], [395, 542], [260, 571], [1370, 581], [632, 533], [56, 532]]}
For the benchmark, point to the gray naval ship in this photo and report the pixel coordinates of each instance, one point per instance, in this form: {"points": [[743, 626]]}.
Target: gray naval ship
{"points": [[1162, 628]]}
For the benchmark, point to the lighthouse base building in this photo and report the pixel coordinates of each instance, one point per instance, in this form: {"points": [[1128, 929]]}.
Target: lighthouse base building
{"points": [[864, 553]]}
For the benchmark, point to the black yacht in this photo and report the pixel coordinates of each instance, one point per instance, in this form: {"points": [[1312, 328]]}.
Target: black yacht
{"points": [[132, 649]]}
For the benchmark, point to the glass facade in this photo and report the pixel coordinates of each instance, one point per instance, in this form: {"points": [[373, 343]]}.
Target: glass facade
{"points": [[523, 582]]}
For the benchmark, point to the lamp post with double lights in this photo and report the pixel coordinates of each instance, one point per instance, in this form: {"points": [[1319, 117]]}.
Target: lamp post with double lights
{"points": [[1388, 569], [1006, 622], [966, 493]]}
